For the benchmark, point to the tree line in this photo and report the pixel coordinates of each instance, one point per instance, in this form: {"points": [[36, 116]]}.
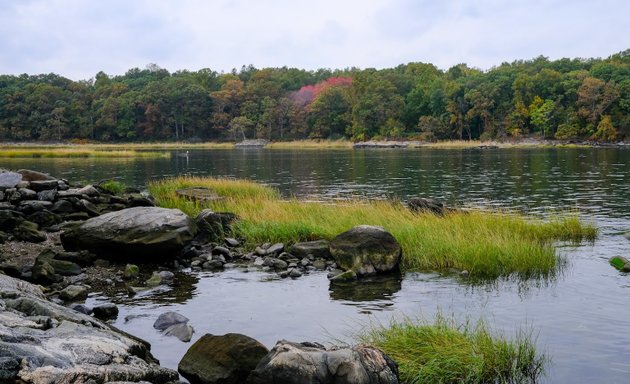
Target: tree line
{"points": [[564, 99]]}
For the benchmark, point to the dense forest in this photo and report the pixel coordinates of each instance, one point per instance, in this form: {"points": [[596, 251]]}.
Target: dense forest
{"points": [[564, 99]]}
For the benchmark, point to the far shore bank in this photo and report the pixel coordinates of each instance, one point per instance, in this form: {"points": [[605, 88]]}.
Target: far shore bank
{"points": [[312, 144]]}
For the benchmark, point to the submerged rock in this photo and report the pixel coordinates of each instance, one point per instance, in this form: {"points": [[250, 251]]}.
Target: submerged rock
{"points": [[620, 262], [297, 363], [140, 233], [226, 359], [168, 319], [366, 250], [65, 346]]}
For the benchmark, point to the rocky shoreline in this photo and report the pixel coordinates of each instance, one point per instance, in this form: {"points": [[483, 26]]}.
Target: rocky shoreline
{"points": [[61, 241]]}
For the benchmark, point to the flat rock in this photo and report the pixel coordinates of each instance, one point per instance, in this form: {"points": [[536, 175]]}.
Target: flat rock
{"points": [[318, 248], [29, 175], [139, 233], [68, 347]]}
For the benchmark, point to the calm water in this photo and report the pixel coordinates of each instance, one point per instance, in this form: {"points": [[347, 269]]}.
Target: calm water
{"points": [[581, 318]]}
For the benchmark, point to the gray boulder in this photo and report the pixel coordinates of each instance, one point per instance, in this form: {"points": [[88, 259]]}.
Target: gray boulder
{"points": [[43, 342], [168, 319], [226, 359], [141, 233], [9, 179], [297, 363], [318, 248], [29, 175], [421, 205], [366, 250]]}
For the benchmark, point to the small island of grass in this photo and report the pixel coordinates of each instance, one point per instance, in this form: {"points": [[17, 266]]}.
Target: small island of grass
{"points": [[68, 152], [486, 244]]}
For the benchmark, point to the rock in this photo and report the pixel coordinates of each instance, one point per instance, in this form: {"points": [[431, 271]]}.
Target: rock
{"points": [[44, 273], [348, 275], [252, 143], [28, 175], [366, 249], [44, 185], [168, 319], [105, 311], [213, 226], [44, 218], [183, 332], [141, 233], [30, 206], [319, 264], [226, 359], [87, 207], [627, 235], [73, 293], [131, 271], [219, 250], [9, 179], [27, 231], [231, 242], [9, 219], [212, 264], [275, 249], [620, 262], [295, 273], [154, 280], [65, 346], [166, 276], [140, 201], [421, 204], [27, 194], [88, 190], [62, 206], [81, 309], [318, 248], [297, 363]]}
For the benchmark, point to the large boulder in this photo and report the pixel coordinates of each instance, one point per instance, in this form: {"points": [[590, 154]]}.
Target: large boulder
{"points": [[43, 342], [30, 175], [226, 359], [297, 363], [366, 250], [144, 233], [9, 179]]}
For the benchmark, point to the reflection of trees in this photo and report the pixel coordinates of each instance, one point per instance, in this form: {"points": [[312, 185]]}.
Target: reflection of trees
{"points": [[367, 289]]}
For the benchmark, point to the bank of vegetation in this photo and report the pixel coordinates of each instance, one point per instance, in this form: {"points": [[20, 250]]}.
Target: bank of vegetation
{"points": [[565, 99], [51, 152], [448, 352], [486, 244]]}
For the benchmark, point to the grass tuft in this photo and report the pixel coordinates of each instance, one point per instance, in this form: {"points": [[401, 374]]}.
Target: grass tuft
{"points": [[112, 186], [445, 352], [486, 244]]}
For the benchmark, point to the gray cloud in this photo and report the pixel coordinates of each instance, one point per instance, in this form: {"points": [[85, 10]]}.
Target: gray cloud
{"points": [[78, 38]]}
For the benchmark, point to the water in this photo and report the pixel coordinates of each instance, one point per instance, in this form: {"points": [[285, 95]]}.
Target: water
{"points": [[581, 318]]}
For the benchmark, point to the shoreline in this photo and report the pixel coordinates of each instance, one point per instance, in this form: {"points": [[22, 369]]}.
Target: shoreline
{"points": [[318, 144]]}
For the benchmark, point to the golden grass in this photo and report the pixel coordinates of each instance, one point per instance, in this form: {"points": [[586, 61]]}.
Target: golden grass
{"points": [[311, 144], [76, 153], [486, 244]]}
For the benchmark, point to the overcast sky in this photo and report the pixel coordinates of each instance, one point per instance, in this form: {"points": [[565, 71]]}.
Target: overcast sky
{"points": [[78, 38]]}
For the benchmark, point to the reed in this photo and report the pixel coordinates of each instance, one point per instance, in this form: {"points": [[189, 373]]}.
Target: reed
{"points": [[76, 153], [447, 352], [486, 244]]}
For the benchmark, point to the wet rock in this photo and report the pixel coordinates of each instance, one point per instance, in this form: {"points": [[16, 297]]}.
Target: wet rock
{"points": [[44, 218], [319, 264], [168, 319], [62, 206], [9, 219], [219, 250], [183, 332], [141, 233], [73, 293], [226, 359], [366, 249], [348, 275], [154, 280], [318, 248], [297, 363], [28, 231], [140, 201], [295, 273], [88, 190], [212, 265], [627, 235], [275, 249], [55, 344], [620, 262], [81, 308], [88, 207], [27, 194], [10, 267], [105, 311], [31, 206]]}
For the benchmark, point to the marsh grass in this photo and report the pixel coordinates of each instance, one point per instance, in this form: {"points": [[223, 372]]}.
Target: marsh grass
{"points": [[311, 144], [61, 152], [486, 244], [113, 186], [447, 352]]}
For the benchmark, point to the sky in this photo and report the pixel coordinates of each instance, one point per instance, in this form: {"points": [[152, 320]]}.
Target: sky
{"points": [[79, 38]]}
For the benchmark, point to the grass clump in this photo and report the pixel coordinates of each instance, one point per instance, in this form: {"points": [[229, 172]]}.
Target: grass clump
{"points": [[486, 244], [113, 187], [444, 352]]}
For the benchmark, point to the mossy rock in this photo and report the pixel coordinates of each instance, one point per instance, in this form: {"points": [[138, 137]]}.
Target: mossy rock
{"points": [[620, 262]]}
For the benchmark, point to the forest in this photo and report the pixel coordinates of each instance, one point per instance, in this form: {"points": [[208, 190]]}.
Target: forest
{"points": [[567, 99]]}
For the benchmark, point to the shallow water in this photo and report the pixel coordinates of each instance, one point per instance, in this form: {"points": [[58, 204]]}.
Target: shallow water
{"points": [[581, 317]]}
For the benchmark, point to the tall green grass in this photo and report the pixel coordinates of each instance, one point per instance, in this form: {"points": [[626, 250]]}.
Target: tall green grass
{"points": [[486, 244], [445, 352]]}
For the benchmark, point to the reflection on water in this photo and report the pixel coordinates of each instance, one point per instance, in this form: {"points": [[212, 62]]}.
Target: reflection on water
{"points": [[580, 315]]}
